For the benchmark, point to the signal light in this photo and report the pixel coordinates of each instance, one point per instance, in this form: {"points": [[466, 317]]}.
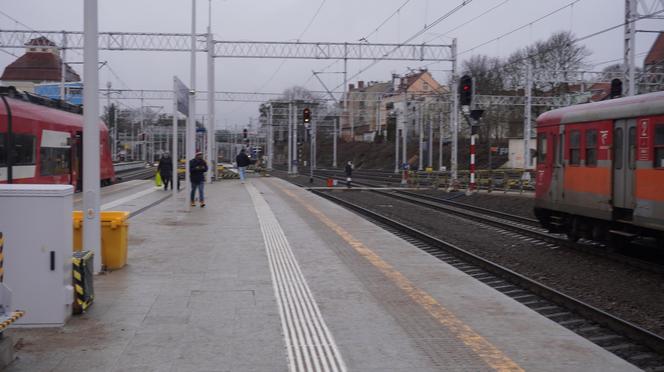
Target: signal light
{"points": [[616, 88], [306, 116], [244, 133], [465, 90]]}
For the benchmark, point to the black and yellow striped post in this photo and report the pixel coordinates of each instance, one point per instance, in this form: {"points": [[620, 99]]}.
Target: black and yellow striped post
{"points": [[14, 316], [8, 318], [82, 273]]}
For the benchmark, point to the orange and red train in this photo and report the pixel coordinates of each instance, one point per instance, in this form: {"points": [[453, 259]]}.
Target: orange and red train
{"points": [[46, 143], [600, 169]]}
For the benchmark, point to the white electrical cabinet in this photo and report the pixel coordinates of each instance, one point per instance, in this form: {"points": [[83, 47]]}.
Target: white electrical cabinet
{"points": [[36, 221]]}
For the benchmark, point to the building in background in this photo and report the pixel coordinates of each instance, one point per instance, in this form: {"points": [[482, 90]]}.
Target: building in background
{"points": [[371, 107], [40, 65], [654, 64]]}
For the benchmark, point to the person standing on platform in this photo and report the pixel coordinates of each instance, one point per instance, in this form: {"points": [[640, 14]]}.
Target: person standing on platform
{"points": [[243, 162], [349, 173], [197, 169], [165, 169]]}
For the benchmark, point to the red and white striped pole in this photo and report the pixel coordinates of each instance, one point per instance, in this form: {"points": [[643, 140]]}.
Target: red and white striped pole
{"points": [[471, 186]]}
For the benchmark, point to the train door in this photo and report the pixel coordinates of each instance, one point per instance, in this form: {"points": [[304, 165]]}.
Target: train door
{"points": [[77, 161], [557, 171], [624, 164]]}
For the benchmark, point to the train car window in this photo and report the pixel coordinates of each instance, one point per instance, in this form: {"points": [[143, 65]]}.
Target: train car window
{"points": [[632, 148], [24, 149], [54, 161], [659, 146], [575, 147], [3, 150], [591, 147], [541, 148], [618, 148]]}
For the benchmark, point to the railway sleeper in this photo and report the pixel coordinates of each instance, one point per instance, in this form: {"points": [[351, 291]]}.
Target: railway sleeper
{"points": [[605, 340], [561, 316]]}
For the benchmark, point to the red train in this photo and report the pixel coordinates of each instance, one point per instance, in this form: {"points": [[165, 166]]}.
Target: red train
{"points": [[47, 142], [600, 169]]}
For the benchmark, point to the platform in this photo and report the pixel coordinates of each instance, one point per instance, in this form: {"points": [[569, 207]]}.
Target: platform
{"points": [[133, 196], [269, 277]]}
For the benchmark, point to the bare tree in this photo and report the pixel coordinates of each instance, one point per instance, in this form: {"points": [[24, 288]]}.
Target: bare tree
{"points": [[486, 72], [296, 93], [551, 60]]}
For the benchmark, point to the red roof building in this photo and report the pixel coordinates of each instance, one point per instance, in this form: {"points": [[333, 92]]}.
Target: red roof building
{"points": [[656, 54], [40, 63]]}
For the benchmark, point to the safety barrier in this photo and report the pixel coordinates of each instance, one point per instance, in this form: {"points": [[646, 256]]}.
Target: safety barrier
{"points": [[495, 180], [84, 293]]}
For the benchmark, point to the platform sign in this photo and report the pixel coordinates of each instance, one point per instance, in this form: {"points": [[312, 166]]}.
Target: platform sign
{"points": [[182, 95]]}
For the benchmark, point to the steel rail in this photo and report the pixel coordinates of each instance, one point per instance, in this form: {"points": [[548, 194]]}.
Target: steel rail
{"points": [[633, 332], [518, 224]]}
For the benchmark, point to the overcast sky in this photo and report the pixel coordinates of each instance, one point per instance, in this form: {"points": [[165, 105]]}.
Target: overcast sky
{"points": [[335, 21]]}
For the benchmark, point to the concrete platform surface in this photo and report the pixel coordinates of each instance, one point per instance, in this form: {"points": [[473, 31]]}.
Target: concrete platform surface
{"points": [[133, 196], [269, 277]]}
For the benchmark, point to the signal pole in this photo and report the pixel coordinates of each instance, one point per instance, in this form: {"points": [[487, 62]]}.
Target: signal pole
{"points": [[334, 141], [630, 43], [430, 141], [527, 118], [290, 137], [270, 139], [440, 144], [115, 134], [420, 127], [455, 119]]}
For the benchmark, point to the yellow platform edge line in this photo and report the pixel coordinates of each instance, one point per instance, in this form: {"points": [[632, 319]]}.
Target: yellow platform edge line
{"points": [[489, 353]]}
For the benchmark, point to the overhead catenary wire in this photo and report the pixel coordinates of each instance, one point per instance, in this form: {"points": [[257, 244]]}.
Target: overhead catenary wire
{"points": [[32, 29], [8, 52], [283, 61], [530, 56], [615, 60], [366, 38], [417, 34], [110, 69], [521, 27], [468, 21]]}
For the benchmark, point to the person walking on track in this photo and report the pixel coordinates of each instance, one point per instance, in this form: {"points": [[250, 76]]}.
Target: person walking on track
{"points": [[165, 169], [243, 162], [197, 169]]}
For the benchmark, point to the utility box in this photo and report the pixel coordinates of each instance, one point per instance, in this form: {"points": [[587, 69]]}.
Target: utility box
{"points": [[36, 223]]}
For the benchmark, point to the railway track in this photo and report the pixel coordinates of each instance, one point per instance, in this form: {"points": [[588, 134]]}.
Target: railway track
{"points": [[525, 227], [634, 344], [128, 172]]}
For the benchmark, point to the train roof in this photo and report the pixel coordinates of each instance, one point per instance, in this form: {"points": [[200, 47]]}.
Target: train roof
{"points": [[627, 107], [34, 112]]}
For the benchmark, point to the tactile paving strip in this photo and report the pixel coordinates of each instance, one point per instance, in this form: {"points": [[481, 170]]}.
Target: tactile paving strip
{"points": [[310, 344]]}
